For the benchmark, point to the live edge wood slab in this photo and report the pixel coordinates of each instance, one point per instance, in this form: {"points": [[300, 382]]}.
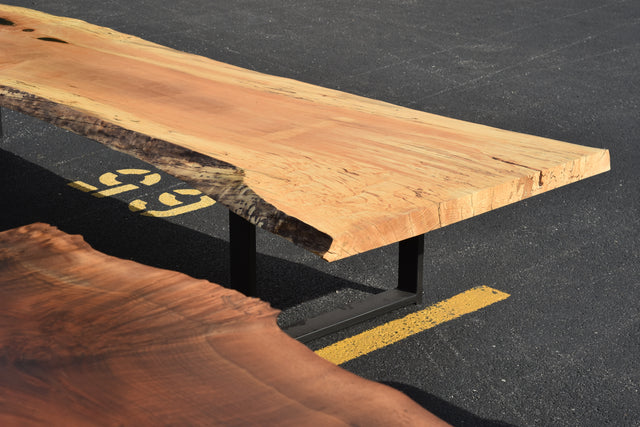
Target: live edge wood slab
{"points": [[335, 173], [89, 339]]}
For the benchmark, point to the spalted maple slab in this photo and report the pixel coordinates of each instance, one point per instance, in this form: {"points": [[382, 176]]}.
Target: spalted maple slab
{"points": [[335, 173], [89, 339]]}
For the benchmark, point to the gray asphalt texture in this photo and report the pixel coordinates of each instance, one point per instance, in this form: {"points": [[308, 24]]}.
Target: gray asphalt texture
{"points": [[563, 349]]}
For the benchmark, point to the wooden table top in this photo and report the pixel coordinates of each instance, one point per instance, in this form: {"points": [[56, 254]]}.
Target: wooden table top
{"points": [[335, 173], [92, 340]]}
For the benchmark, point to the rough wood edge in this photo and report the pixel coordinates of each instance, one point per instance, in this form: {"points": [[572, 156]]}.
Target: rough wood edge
{"points": [[222, 181]]}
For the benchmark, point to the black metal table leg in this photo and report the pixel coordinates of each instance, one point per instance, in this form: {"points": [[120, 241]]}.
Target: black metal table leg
{"points": [[409, 291], [242, 248], [242, 236], [410, 266]]}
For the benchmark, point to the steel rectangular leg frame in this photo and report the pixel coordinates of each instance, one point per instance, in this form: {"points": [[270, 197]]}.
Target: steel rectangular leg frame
{"points": [[409, 290]]}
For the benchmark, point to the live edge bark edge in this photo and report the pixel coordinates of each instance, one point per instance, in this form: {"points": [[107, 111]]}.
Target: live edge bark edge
{"points": [[222, 181]]}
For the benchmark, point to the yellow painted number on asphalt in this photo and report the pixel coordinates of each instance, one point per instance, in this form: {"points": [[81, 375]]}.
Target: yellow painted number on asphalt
{"points": [[170, 200], [112, 186]]}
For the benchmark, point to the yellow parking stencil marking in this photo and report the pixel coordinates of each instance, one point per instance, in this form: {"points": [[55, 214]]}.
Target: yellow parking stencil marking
{"points": [[115, 186], [169, 199], [110, 179], [82, 186], [399, 329]]}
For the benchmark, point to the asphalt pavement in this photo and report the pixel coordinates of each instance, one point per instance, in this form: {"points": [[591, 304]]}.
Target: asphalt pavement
{"points": [[563, 348]]}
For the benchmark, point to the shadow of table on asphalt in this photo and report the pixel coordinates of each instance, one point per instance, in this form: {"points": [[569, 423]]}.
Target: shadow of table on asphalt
{"points": [[443, 409], [31, 193]]}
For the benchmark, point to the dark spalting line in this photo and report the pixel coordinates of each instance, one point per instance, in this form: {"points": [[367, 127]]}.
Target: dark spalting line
{"points": [[52, 39], [28, 30], [222, 181], [4, 21]]}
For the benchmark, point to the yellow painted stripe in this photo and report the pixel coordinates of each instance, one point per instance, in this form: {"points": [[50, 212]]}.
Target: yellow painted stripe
{"points": [[82, 186], [115, 190], [396, 330]]}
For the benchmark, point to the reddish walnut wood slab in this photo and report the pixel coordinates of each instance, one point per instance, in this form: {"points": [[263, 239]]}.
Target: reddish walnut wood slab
{"points": [[335, 173], [89, 339]]}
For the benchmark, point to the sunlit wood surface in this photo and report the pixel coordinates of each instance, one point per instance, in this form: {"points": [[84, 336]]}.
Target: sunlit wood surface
{"points": [[89, 339], [335, 173]]}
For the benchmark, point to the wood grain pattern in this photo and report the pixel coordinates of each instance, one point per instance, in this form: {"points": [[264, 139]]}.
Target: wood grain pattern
{"points": [[336, 173], [88, 339]]}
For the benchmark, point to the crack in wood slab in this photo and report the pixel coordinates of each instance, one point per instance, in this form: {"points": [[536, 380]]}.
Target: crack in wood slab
{"points": [[538, 171]]}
